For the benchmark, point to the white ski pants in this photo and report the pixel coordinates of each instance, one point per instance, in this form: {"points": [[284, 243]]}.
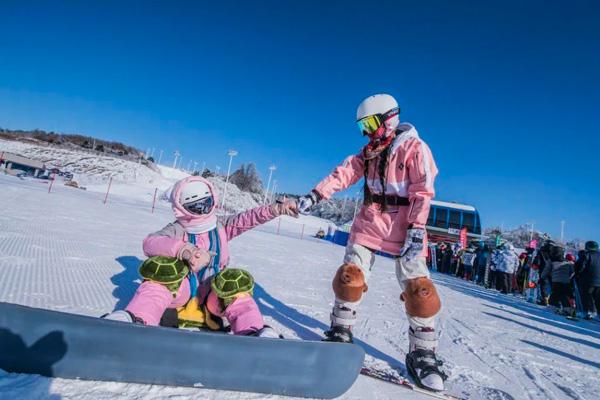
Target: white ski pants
{"points": [[365, 259]]}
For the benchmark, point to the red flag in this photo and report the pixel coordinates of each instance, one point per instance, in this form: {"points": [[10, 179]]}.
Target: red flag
{"points": [[463, 237]]}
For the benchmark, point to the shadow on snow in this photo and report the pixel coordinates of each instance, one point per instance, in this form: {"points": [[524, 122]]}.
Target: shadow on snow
{"points": [[126, 281], [301, 323]]}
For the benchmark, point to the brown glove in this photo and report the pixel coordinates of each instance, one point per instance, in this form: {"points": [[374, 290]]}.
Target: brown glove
{"points": [[288, 207], [195, 257]]}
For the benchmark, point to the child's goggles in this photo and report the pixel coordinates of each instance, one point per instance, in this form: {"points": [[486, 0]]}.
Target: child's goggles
{"points": [[369, 124], [201, 206]]}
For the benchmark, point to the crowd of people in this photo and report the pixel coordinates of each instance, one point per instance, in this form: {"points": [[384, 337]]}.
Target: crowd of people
{"points": [[549, 275]]}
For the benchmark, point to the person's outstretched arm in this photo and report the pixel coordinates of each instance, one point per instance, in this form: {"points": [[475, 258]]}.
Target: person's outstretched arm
{"points": [[244, 221]]}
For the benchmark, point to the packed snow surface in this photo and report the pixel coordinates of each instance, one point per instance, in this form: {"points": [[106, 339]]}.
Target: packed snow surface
{"points": [[68, 251]]}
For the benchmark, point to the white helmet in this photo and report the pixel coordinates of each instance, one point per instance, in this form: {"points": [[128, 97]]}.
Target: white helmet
{"points": [[379, 104], [193, 191]]}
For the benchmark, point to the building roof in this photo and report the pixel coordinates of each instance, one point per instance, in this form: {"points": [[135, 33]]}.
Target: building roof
{"points": [[14, 158], [457, 206]]}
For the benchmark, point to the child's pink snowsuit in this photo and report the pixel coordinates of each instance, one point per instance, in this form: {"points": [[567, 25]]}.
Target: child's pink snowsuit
{"points": [[152, 299], [410, 173]]}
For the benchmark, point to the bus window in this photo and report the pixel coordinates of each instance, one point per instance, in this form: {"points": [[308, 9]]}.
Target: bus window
{"points": [[430, 216], [454, 219], [440, 218], [477, 229], [469, 221]]}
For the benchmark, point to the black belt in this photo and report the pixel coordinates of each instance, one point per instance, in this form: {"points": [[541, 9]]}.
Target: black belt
{"points": [[391, 200]]}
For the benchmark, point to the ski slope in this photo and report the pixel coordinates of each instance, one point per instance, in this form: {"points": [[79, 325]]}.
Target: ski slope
{"points": [[68, 251]]}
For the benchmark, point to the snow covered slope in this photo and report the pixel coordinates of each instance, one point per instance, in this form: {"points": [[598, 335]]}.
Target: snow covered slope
{"points": [[68, 251], [131, 179]]}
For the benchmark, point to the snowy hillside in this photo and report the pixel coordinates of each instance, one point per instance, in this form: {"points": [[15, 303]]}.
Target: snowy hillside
{"points": [[68, 251], [130, 179]]}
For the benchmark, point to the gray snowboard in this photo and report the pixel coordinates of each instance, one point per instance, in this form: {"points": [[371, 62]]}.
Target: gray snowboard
{"points": [[57, 344]]}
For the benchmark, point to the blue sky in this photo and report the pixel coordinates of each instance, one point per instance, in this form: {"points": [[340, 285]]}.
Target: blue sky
{"points": [[506, 93]]}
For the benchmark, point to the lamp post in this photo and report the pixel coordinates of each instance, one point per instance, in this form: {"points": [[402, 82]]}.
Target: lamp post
{"points": [[355, 206], [231, 153], [176, 154], [273, 189], [531, 231], [271, 169]]}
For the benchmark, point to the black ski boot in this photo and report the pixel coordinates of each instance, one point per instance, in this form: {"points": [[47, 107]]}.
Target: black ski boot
{"points": [[421, 362], [339, 334], [424, 368]]}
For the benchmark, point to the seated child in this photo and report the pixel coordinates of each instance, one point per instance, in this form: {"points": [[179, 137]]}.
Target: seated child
{"points": [[187, 255]]}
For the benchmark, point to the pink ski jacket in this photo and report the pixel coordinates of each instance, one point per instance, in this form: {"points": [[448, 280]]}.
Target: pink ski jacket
{"points": [[172, 237], [411, 172]]}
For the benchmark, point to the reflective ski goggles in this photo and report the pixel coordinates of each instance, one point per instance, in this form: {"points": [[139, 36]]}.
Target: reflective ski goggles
{"points": [[201, 206], [369, 124]]}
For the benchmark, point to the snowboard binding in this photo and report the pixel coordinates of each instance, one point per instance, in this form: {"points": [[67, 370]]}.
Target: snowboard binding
{"points": [[339, 334], [421, 364]]}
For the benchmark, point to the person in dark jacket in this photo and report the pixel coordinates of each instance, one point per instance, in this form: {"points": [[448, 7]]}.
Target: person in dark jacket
{"points": [[587, 272], [439, 254], [447, 259], [560, 272], [541, 260], [481, 261]]}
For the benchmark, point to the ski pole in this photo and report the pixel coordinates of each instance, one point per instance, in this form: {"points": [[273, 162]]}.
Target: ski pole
{"points": [[154, 200], [278, 225], [51, 182], [302, 233], [108, 190]]}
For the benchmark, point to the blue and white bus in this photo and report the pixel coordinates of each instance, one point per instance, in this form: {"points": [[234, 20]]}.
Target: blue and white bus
{"points": [[446, 219]]}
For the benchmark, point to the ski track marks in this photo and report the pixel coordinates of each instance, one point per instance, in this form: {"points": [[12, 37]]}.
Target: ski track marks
{"points": [[68, 251]]}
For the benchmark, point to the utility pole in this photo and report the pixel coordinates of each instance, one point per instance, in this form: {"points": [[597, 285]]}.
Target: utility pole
{"points": [[231, 153], [531, 230], [271, 169], [355, 206], [176, 154], [272, 196]]}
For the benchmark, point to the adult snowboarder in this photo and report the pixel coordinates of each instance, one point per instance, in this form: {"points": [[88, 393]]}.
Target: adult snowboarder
{"points": [[399, 173]]}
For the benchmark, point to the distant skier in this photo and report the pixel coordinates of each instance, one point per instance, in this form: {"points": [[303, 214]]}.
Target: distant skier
{"points": [[481, 262], [560, 271], [399, 173], [587, 270], [467, 260], [505, 262], [541, 260], [199, 239]]}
